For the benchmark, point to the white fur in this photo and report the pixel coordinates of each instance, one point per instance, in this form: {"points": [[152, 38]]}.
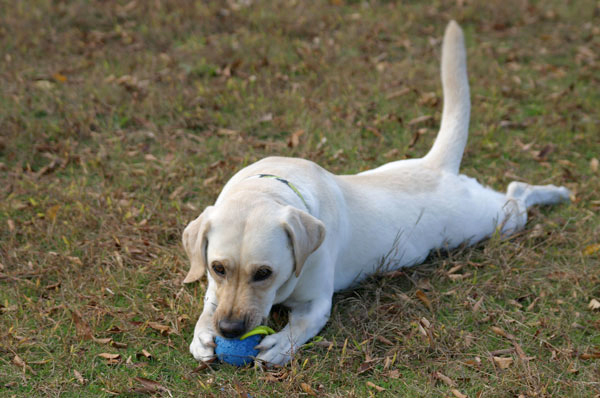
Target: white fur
{"points": [[402, 211]]}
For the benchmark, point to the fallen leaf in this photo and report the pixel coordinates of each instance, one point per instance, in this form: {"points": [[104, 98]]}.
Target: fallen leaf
{"points": [[393, 374], [424, 299], [364, 367], [520, 352], [398, 93], [294, 139], [502, 333], [420, 119], [109, 356], [18, 361], [162, 329], [144, 354], [594, 165], [447, 381], [308, 389], [458, 394], [591, 249], [267, 117], [416, 136], [383, 340], [59, 77], [503, 362], [79, 377], [209, 180], [84, 331], [594, 305], [590, 355], [53, 286], [544, 152], [44, 85], [228, 132], [104, 340], [118, 344], [477, 305], [150, 386], [375, 386], [459, 277]]}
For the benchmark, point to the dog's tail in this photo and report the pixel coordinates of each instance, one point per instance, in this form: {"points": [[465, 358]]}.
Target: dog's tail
{"points": [[449, 145]]}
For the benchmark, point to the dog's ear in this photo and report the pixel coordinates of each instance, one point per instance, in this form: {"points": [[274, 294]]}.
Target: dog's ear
{"points": [[305, 232], [195, 243]]}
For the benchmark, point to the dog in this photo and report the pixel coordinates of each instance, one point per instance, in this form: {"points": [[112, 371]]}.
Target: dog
{"points": [[286, 231]]}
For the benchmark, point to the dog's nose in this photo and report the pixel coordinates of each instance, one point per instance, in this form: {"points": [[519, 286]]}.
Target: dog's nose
{"points": [[231, 328]]}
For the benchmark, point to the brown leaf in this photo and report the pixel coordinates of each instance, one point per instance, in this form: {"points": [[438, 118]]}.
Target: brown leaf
{"points": [[544, 152], [591, 249], [447, 381], [104, 340], [162, 329], [118, 344], [502, 362], [228, 132], [18, 361], [79, 377], [294, 139], [209, 180], [365, 367], [52, 212], [375, 386], [59, 77], [53, 286], [594, 305], [416, 136], [109, 356], [383, 340], [84, 331], [424, 299], [150, 386], [393, 374], [420, 119], [590, 355], [398, 93], [308, 389], [594, 165], [144, 354], [458, 394], [477, 305], [11, 225], [501, 332]]}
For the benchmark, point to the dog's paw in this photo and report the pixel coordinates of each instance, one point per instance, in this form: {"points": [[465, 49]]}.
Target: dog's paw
{"points": [[276, 349], [203, 346]]}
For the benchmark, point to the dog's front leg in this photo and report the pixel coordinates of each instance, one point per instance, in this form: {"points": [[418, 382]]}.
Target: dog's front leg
{"points": [[306, 320], [203, 344]]}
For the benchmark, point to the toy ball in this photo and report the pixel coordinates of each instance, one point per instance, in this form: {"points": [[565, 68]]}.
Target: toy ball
{"points": [[240, 351]]}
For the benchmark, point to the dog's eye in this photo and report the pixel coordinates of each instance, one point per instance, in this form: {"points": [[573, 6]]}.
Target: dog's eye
{"points": [[218, 269], [262, 274]]}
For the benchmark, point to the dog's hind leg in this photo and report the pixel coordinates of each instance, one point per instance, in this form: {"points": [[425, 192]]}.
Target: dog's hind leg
{"points": [[537, 194], [521, 196]]}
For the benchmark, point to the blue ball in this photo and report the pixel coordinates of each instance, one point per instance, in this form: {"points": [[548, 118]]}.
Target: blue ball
{"points": [[235, 351]]}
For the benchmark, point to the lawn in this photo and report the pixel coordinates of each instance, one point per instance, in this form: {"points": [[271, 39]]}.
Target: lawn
{"points": [[121, 120]]}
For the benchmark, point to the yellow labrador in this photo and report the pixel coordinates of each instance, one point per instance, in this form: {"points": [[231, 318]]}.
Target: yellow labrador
{"points": [[285, 230]]}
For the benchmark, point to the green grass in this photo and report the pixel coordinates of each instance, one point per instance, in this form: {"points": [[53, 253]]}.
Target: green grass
{"points": [[111, 140]]}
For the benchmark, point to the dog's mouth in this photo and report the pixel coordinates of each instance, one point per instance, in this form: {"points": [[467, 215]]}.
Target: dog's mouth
{"points": [[232, 327]]}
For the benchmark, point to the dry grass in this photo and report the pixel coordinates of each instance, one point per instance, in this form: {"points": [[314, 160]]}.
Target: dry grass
{"points": [[121, 120]]}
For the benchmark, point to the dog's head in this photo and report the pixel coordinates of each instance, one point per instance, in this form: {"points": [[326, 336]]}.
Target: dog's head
{"points": [[251, 248]]}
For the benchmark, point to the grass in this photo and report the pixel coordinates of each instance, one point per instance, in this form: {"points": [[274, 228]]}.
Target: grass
{"points": [[121, 120]]}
